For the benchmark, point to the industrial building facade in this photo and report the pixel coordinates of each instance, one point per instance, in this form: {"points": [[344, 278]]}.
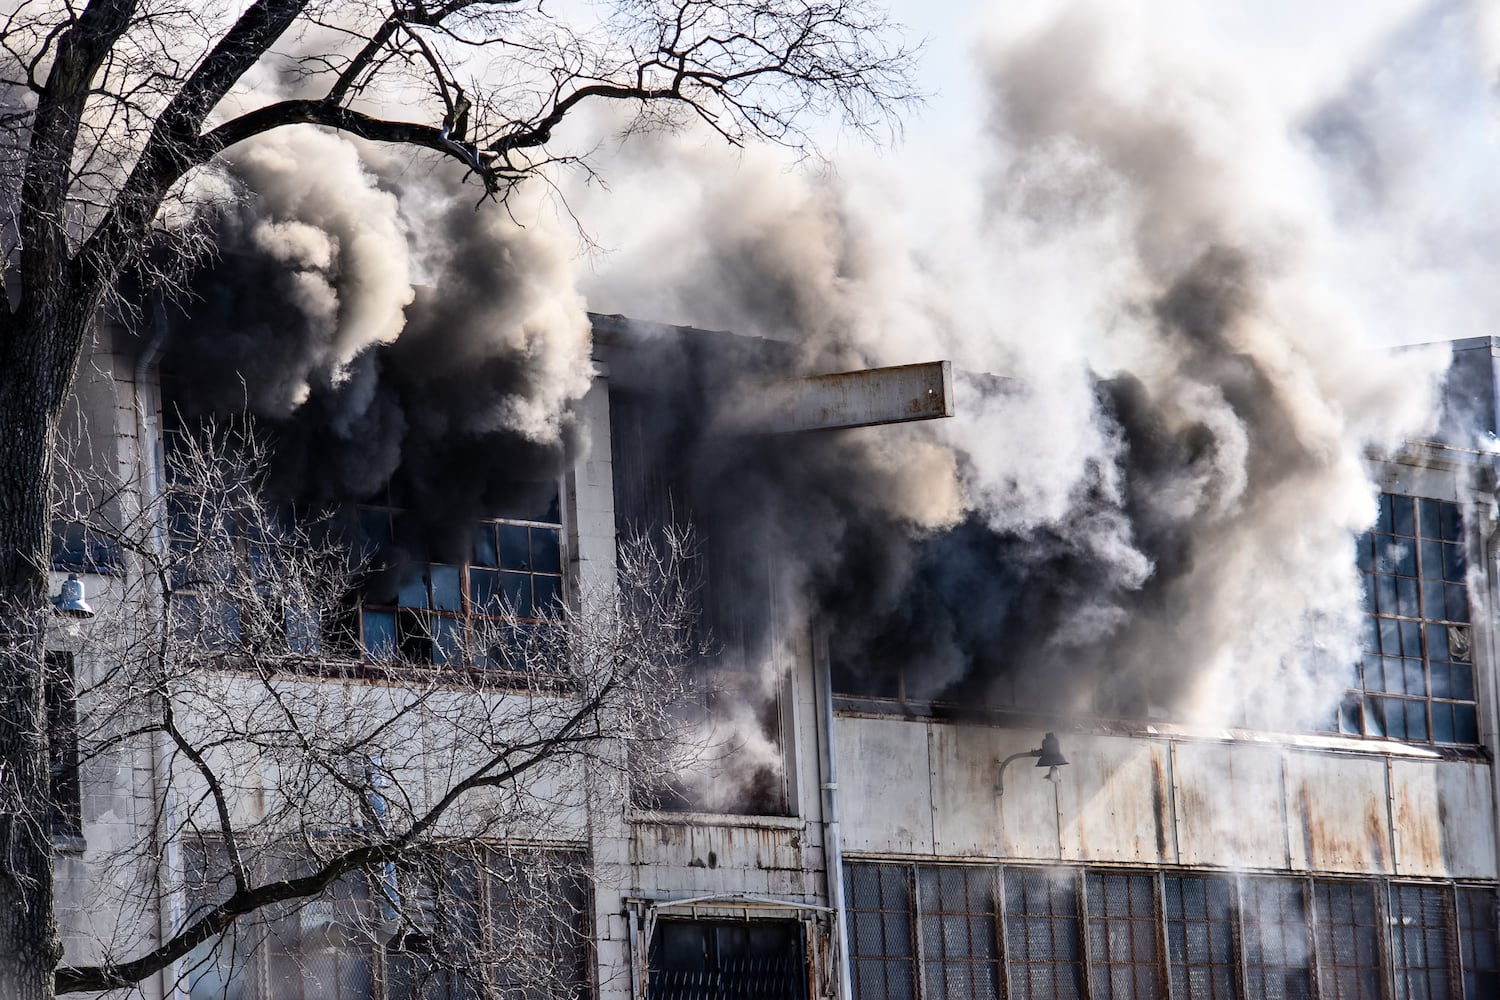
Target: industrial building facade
{"points": [[891, 855]]}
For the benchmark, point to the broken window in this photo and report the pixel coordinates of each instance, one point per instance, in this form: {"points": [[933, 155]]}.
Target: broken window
{"points": [[475, 609], [919, 931], [727, 960], [1415, 678], [65, 805]]}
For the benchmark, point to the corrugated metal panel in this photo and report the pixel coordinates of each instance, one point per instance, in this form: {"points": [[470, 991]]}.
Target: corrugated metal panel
{"points": [[1336, 813], [1229, 805], [1115, 801], [884, 795]]}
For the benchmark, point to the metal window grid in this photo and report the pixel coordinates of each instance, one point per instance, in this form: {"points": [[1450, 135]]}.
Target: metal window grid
{"points": [[1201, 944], [1420, 941], [1477, 942], [1043, 940], [1122, 945], [1276, 947], [957, 920], [1346, 929], [1416, 676]]}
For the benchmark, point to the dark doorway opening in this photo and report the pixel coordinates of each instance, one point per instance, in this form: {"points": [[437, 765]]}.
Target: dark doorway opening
{"points": [[727, 960]]}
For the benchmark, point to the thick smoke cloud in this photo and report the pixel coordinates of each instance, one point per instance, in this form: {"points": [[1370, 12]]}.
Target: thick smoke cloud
{"points": [[1155, 510], [390, 337]]}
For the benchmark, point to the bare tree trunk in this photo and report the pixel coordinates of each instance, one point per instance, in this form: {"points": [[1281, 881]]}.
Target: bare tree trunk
{"points": [[38, 356]]}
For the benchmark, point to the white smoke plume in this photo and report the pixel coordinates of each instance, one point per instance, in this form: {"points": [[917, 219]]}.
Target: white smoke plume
{"points": [[1157, 251]]}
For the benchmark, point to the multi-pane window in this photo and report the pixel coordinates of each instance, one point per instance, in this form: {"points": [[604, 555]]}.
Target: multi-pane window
{"points": [[511, 578], [1042, 943], [1200, 937], [1347, 926], [458, 924], [880, 933], [1122, 936], [1273, 923], [1419, 942], [1126, 935], [1416, 673], [957, 924], [1477, 933], [438, 612]]}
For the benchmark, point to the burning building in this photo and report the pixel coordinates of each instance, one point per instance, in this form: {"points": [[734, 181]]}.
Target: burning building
{"points": [[871, 685]]}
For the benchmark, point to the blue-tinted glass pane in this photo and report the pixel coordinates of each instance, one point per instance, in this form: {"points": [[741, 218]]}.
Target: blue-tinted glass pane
{"points": [[1385, 594], [1429, 518], [1454, 564], [1387, 554], [1433, 600], [484, 551], [1465, 724], [546, 550], [1411, 635], [1374, 717], [1390, 637], [1416, 720], [413, 592], [1401, 514], [546, 593], [515, 546], [1406, 598], [1442, 722], [1439, 680], [1383, 518], [1458, 602], [1364, 553], [517, 590], [447, 591], [1432, 559], [1461, 681], [1452, 528], [1406, 559], [1416, 682], [379, 633], [447, 640], [484, 591]]}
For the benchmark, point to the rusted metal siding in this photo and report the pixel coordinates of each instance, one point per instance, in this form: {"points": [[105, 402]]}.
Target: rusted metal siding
{"points": [[1336, 814], [1444, 819], [1115, 801], [705, 856]]}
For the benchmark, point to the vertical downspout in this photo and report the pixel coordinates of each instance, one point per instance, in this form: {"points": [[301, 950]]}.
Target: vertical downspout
{"points": [[167, 915], [833, 857]]}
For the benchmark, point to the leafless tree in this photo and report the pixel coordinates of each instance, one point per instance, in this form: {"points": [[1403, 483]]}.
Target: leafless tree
{"points": [[319, 812], [110, 108]]}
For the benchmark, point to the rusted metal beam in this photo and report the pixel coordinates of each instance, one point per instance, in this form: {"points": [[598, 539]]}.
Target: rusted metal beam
{"points": [[851, 399]]}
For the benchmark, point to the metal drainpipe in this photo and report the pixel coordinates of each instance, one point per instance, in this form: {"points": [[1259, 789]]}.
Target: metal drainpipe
{"points": [[833, 857], [161, 749]]}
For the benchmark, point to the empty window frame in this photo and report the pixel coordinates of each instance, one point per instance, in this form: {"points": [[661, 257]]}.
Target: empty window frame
{"points": [[1416, 674], [434, 612], [1224, 939]]}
